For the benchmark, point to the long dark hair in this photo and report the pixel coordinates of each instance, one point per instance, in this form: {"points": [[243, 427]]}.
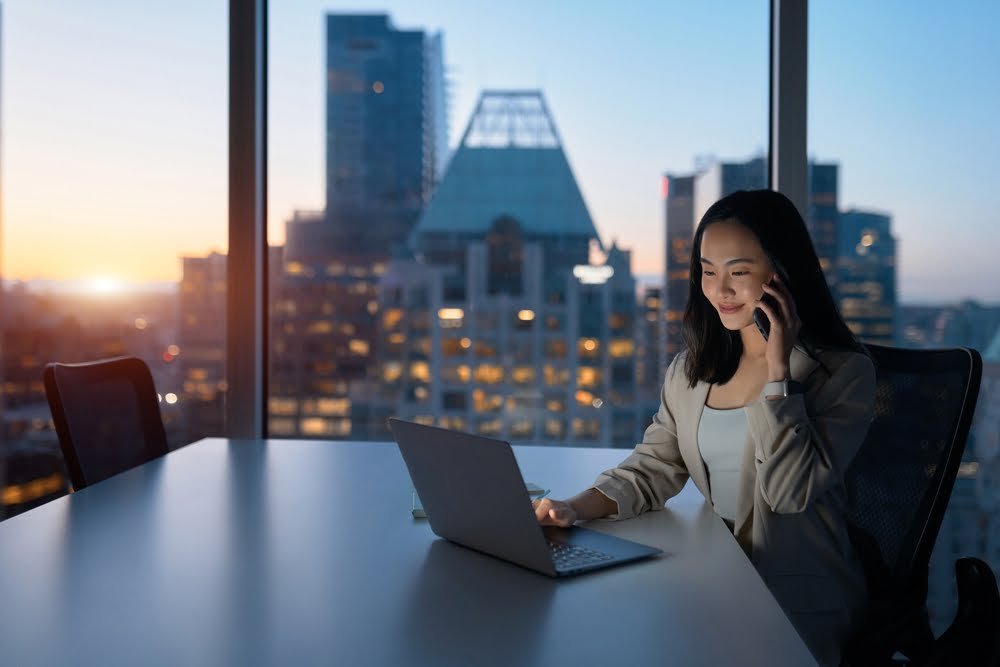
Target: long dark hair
{"points": [[714, 351]]}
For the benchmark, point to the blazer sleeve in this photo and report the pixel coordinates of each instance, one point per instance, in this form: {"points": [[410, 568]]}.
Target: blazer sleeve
{"points": [[802, 452], [654, 471]]}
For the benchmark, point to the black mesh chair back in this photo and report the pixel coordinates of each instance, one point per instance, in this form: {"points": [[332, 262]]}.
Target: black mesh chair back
{"points": [[107, 417], [899, 484]]}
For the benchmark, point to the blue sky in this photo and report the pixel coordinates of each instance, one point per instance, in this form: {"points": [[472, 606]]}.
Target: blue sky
{"points": [[903, 96]]}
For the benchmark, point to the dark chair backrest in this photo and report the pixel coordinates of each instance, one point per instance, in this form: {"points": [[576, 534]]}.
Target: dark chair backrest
{"points": [[899, 484], [107, 417]]}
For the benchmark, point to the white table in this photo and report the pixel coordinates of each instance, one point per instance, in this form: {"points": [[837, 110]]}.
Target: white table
{"points": [[304, 552]]}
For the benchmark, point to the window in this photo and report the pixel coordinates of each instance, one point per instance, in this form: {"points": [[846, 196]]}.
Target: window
{"points": [[101, 107], [517, 222], [908, 198]]}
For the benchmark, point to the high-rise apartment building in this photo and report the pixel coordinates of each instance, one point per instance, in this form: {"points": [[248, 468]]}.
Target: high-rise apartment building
{"points": [[866, 275], [500, 325]]}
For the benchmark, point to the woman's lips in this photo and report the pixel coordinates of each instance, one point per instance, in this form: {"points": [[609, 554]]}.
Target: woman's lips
{"points": [[729, 310]]}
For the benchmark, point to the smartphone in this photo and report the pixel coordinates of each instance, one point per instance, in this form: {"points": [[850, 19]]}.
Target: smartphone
{"points": [[760, 318]]}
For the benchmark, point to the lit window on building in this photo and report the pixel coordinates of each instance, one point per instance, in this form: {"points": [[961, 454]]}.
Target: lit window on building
{"points": [[588, 377], [391, 318], [555, 377], [483, 402], [489, 373], [358, 347], [523, 374], [316, 426], [459, 374], [283, 406], [490, 427], [451, 318], [281, 426], [320, 327], [522, 428], [555, 428], [334, 407], [295, 269], [335, 269], [555, 405], [454, 423], [391, 371], [584, 398], [621, 347], [588, 347], [421, 371]]}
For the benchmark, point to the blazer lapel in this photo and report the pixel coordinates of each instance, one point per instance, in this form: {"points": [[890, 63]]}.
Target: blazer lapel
{"points": [[801, 365], [687, 433]]}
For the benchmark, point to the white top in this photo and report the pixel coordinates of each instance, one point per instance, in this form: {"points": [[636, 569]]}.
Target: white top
{"points": [[721, 434]]}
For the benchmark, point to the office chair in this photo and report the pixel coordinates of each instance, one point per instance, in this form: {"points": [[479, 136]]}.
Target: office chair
{"points": [[107, 417], [898, 488]]}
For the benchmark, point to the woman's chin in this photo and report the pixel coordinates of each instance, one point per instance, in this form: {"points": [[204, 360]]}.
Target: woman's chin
{"points": [[734, 322]]}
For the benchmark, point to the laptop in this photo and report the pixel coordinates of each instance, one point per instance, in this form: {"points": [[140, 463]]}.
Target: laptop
{"points": [[474, 495]]}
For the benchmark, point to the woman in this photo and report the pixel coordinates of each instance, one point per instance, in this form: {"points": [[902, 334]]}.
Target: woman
{"points": [[765, 427]]}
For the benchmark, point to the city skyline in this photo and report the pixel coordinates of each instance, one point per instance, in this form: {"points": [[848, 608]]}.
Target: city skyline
{"points": [[929, 170]]}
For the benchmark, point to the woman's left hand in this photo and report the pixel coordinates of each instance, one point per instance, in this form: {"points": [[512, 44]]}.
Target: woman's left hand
{"points": [[785, 326]]}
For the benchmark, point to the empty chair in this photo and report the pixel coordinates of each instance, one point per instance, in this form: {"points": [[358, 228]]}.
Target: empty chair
{"points": [[107, 417], [898, 489]]}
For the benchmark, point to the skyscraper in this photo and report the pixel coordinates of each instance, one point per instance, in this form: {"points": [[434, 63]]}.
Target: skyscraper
{"points": [[500, 325], [385, 127], [678, 202], [866, 282], [821, 218], [386, 139]]}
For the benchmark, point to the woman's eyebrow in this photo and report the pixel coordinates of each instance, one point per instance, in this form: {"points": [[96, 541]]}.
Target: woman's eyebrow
{"points": [[737, 260]]}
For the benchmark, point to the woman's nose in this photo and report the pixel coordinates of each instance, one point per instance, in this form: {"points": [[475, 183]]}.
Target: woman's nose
{"points": [[725, 287]]}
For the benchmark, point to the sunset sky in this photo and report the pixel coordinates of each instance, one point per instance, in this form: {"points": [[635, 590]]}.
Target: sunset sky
{"points": [[114, 119]]}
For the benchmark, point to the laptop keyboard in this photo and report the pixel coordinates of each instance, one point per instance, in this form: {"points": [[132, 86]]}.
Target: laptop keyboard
{"points": [[571, 557]]}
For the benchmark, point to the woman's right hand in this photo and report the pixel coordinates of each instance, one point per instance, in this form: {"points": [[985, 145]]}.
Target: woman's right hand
{"points": [[554, 512]]}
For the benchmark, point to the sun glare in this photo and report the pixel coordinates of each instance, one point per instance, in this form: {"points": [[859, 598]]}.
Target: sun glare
{"points": [[105, 286]]}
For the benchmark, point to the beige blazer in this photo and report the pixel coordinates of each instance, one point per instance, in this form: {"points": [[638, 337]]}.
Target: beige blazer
{"points": [[791, 499]]}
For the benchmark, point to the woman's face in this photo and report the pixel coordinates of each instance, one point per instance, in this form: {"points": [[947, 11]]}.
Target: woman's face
{"points": [[733, 268]]}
